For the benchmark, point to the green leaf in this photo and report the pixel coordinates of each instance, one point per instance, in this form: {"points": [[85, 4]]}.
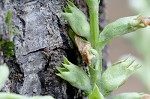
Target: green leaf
{"points": [[95, 76], [76, 76], [16, 96], [77, 20], [71, 35], [9, 46], [118, 73], [95, 94], [2, 42], [132, 96], [7, 20], [14, 31], [41, 97], [10, 96], [4, 73], [120, 27]]}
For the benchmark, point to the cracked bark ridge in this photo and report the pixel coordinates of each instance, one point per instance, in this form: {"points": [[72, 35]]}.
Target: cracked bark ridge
{"points": [[39, 46]]}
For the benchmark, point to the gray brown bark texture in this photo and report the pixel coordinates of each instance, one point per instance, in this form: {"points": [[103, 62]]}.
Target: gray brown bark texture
{"points": [[40, 45]]}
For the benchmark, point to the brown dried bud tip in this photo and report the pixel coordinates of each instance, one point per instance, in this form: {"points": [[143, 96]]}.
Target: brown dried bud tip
{"points": [[144, 20], [84, 47]]}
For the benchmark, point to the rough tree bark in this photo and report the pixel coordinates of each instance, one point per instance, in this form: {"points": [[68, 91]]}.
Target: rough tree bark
{"points": [[40, 45]]}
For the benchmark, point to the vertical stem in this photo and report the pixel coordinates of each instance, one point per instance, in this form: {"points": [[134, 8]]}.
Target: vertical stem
{"points": [[94, 30], [94, 26], [100, 59]]}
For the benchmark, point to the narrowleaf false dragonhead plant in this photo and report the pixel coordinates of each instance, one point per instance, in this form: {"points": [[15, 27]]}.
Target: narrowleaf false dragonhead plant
{"points": [[95, 84]]}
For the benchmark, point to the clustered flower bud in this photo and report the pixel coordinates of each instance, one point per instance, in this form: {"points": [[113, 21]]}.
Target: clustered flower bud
{"points": [[123, 26], [76, 76], [118, 73], [77, 20]]}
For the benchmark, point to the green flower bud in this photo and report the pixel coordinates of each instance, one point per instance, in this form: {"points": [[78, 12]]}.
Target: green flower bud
{"points": [[77, 21], [118, 73], [131, 96], [95, 58], [4, 73], [96, 94], [76, 76], [122, 26]]}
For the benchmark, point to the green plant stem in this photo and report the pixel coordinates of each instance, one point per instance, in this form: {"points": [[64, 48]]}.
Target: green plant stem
{"points": [[94, 31], [94, 27], [100, 59]]}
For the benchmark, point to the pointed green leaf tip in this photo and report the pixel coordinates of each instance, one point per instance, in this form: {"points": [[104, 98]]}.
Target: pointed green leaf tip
{"points": [[96, 94], [4, 73], [77, 20], [132, 96], [76, 76], [118, 73], [120, 27]]}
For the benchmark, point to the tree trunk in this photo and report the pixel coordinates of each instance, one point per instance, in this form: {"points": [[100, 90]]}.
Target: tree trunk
{"points": [[40, 45]]}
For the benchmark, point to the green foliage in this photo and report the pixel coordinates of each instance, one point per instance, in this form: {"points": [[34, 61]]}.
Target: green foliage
{"points": [[120, 27], [95, 59], [118, 73], [16, 96], [41, 97], [8, 17], [94, 83], [95, 94], [11, 30], [91, 51], [6, 45], [77, 20], [93, 6], [76, 76], [95, 76], [4, 72]]}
